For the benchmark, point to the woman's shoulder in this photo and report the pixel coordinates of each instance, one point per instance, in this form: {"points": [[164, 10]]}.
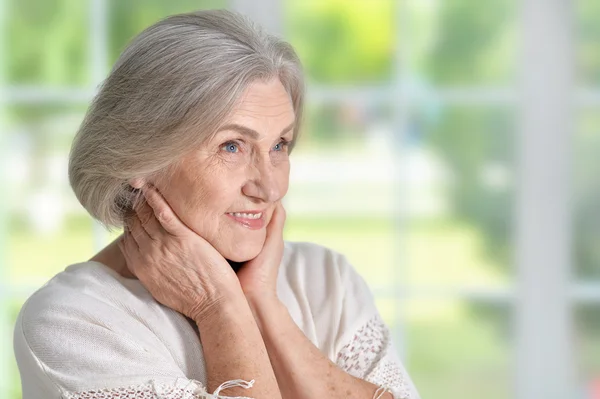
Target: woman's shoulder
{"points": [[325, 295], [83, 293], [310, 261], [85, 285], [87, 295], [90, 312], [317, 275], [312, 268], [88, 321]]}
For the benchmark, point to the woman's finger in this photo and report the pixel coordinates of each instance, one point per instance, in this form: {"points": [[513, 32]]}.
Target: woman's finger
{"points": [[275, 228], [129, 243], [149, 221], [278, 220], [163, 212], [137, 232]]}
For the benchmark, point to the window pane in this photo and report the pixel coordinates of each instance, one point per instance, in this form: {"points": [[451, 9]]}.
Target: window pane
{"points": [[343, 41], [464, 42], [460, 169], [367, 242], [12, 307], [587, 195], [47, 227], [128, 18], [342, 186], [460, 173], [48, 42], [460, 349], [588, 349], [588, 38]]}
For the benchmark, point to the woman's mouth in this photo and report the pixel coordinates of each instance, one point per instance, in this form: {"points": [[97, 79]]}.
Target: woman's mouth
{"points": [[251, 220]]}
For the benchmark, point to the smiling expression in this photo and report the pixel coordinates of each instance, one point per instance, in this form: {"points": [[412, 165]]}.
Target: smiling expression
{"points": [[226, 191]]}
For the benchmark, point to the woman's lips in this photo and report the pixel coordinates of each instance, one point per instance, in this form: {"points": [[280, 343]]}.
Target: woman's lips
{"points": [[251, 220]]}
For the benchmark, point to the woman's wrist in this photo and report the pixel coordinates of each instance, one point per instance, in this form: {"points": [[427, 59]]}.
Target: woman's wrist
{"points": [[264, 301], [265, 308], [234, 349], [227, 305]]}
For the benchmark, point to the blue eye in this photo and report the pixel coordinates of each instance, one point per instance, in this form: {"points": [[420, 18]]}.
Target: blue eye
{"points": [[230, 147], [280, 146]]}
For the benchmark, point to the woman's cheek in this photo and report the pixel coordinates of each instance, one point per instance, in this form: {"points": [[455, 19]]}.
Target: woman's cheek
{"points": [[235, 160], [280, 158], [283, 178]]}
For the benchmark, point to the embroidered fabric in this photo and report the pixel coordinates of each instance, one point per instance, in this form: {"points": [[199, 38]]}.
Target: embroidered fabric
{"points": [[191, 390], [370, 356]]}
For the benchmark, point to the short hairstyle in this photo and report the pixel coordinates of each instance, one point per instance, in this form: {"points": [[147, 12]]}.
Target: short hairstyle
{"points": [[171, 89]]}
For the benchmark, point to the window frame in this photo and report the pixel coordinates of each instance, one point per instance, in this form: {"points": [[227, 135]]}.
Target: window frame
{"points": [[546, 122]]}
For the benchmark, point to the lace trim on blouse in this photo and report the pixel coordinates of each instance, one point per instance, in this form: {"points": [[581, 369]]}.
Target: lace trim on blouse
{"points": [[369, 356], [151, 390]]}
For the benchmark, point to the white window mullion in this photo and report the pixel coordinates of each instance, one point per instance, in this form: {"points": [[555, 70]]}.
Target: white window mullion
{"points": [[400, 102], [544, 363], [5, 316]]}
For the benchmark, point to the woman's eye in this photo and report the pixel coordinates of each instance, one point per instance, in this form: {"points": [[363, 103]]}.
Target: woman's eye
{"points": [[230, 147], [281, 145]]}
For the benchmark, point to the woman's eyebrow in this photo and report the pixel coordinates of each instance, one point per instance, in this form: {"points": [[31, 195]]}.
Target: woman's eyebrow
{"points": [[250, 132]]}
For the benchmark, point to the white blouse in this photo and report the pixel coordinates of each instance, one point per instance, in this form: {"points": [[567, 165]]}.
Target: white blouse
{"points": [[91, 333]]}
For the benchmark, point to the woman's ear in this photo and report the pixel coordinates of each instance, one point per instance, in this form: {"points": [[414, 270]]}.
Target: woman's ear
{"points": [[137, 183]]}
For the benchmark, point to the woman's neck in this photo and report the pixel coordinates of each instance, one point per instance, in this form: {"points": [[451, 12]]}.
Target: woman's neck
{"points": [[112, 257]]}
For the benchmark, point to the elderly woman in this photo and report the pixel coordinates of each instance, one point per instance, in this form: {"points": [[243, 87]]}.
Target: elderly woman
{"points": [[187, 147]]}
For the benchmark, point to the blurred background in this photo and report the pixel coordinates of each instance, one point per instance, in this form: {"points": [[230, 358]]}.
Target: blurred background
{"points": [[429, 157]]}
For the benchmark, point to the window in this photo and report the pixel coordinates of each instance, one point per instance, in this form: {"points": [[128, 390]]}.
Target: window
{"points": [[462, 188]]}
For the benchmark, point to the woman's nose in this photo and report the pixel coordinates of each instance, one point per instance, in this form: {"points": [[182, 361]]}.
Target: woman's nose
{"points": [[265, 181]]}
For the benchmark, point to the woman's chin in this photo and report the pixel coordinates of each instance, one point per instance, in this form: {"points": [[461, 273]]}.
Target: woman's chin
{"points": [[240, 253], [242, 256]]}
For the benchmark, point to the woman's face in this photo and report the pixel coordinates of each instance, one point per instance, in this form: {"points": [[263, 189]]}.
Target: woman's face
{"points": [[226, 191]]}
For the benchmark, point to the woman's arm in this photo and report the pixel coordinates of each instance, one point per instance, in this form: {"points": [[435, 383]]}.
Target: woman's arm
{"points": [[234, 349], [184, 272], [302, 371]]}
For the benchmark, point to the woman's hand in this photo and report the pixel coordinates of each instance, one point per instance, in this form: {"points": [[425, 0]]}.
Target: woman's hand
{"points": [[178, 267], [258, 277]]}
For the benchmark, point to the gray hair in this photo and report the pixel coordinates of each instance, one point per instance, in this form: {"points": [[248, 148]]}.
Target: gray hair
{"points": [[170, 89]]}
